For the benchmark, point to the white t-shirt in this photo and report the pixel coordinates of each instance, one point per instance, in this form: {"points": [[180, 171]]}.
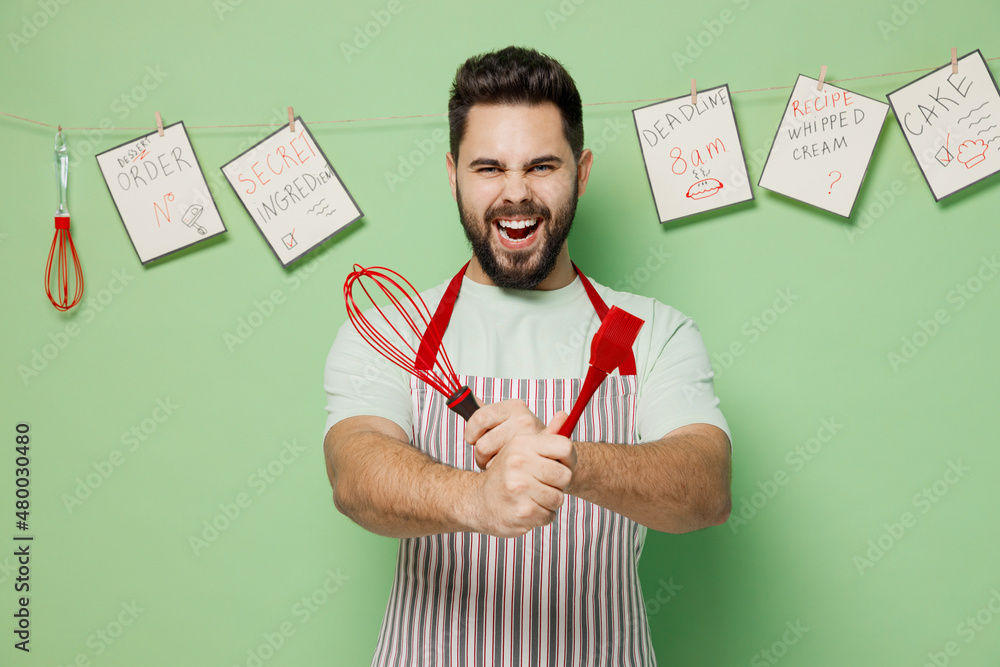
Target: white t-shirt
{"points": [[531, 335]]}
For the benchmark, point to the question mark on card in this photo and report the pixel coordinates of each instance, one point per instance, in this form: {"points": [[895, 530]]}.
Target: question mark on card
{"points": [[839, 176]]}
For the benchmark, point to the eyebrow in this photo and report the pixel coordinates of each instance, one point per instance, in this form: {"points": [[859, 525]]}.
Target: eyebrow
{"points": [[491, 162]]}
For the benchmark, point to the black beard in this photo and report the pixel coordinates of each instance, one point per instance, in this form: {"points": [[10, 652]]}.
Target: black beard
{"points": [[523, 270]]}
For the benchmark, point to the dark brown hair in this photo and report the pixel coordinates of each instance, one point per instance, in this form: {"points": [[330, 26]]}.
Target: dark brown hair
{"points": [[515, 75]]}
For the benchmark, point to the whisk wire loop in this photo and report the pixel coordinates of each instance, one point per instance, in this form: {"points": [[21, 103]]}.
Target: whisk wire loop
{"points": [[60, 242], [416, 316]]}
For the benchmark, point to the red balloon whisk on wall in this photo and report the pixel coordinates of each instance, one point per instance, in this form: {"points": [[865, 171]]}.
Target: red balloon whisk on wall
{"points": [[63, 251]]}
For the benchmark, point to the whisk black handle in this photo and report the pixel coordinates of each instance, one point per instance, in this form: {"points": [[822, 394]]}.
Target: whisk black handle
{"points": [[463, 402]]}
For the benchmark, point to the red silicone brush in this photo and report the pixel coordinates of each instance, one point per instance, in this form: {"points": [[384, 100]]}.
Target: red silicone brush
{"points": [[609, 348]]}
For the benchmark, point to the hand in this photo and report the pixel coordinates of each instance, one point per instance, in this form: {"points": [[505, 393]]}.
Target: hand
{"points": [[494, 425], [523, 486]]}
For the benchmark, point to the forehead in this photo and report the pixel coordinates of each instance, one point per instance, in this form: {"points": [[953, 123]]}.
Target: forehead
{"points": [[513, 133]]}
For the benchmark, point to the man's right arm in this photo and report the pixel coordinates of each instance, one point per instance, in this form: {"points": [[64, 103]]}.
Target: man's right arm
{"points": [[389, 487]]}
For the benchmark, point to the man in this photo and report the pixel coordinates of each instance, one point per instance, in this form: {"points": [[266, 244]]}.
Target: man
{"points": [[519, 546]]}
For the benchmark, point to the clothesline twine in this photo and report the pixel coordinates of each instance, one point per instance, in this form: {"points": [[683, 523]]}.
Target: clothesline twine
{"points": [[439, 115]]}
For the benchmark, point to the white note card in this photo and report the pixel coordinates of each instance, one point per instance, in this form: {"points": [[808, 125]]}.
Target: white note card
{"points": [[952, 124], [693, 155], [823, 146], [291, 192], [160, 192]]}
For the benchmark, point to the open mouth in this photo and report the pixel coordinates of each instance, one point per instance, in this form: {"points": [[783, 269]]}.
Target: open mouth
{"points": [[517, 231]]}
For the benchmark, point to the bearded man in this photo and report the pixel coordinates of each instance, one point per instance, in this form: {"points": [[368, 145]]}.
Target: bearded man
{"points": [[518, 545]]}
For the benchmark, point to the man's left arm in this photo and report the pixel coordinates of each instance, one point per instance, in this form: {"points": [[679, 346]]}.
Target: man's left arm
{"points": [[676, 484], [678, 479]]}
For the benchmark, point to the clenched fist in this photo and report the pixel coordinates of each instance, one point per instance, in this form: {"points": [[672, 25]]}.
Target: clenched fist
{"points": [[527, 467]]}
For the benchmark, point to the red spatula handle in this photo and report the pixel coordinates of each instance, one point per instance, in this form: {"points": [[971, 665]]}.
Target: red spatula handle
{"points": [[593, 380]]}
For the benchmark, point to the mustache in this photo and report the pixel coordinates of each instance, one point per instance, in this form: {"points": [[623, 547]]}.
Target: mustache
{"points": [[515, 210]]}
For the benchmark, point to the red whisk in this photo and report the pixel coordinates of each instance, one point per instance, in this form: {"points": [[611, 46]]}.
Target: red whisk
{"points": [[62, 240], [436, 371]]}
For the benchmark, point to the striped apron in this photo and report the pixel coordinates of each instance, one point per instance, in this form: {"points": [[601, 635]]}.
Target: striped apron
{"points": [[564, 594]]}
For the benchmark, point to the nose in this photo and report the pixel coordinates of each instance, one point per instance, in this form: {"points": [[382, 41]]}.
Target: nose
{"points": [[515, 188]]}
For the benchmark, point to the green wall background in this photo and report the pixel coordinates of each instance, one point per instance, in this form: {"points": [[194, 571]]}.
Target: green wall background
{"points": [[721, 596]]}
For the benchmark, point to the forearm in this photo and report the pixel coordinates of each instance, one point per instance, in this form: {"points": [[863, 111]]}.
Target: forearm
{"points": [[392, 489], [677, 484]]}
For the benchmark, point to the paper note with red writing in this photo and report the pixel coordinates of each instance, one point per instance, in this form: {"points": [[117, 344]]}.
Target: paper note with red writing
{"points": [[692, 152], [952, 124], [291, 192], [160, 192], [823, 146]]}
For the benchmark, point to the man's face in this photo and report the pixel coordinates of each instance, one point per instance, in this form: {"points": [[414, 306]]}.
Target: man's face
{"points": [[516, 185]]}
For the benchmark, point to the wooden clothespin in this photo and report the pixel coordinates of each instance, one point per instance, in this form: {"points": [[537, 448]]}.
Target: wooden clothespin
{"points": [[159, 124], [694, 92], [291, 120], [822, 78], [954, 60]]}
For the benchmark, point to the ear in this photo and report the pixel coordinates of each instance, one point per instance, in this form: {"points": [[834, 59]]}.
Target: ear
{"points": [[583, 170], [452, 174]]}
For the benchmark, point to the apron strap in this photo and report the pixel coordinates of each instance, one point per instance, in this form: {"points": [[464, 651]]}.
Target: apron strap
{"points": [[431, 341], [595, 298]]}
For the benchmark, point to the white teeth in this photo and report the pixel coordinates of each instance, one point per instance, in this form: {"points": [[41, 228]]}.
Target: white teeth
{"points": [[516, 224]]}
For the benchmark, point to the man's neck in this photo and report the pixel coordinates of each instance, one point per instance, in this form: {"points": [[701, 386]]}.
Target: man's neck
{"points": [[562, 274]]}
